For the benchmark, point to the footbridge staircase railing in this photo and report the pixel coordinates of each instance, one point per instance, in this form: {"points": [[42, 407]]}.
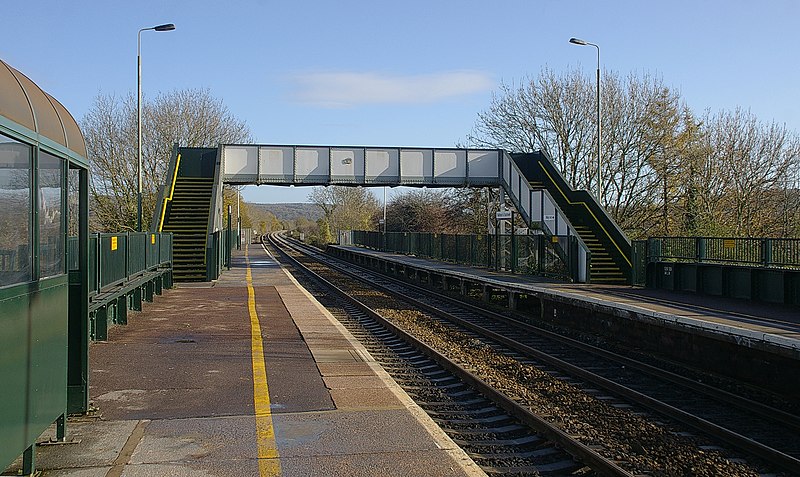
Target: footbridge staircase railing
{"points": [[609, 246]]}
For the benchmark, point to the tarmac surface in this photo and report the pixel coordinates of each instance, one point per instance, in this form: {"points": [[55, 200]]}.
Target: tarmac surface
{"points": [[175, 395]]}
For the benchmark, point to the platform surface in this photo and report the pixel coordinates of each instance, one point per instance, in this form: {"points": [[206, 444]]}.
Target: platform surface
{"points": [[175, 393], [778, 324]]}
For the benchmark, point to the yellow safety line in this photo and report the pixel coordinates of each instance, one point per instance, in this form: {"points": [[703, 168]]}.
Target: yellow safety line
{"points": [[588, 210], [171, 191], [268, 463]]}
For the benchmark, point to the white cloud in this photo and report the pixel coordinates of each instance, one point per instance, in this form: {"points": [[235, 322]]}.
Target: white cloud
{"points": [[346, 89]]}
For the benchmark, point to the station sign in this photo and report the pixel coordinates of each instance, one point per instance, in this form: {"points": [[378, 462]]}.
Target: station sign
{"points": [[503, 215]]}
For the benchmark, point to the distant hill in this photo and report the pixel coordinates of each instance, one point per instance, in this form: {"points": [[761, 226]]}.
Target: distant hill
{"points": [[290, 211]]}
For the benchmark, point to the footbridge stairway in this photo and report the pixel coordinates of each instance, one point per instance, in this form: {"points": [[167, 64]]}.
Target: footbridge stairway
{"points": [[185, 206], [610, 248]]}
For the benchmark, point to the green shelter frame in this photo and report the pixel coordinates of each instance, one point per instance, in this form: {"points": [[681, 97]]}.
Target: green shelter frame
{"points": [[44, 341]]}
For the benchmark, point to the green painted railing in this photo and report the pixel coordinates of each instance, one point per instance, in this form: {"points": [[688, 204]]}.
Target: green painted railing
{"points": [[524, 254], [117, 258], [218, 252], [761, 252]]}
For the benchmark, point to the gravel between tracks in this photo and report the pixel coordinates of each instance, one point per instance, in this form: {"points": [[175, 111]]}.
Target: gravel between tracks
{"points": [[641, 446]]}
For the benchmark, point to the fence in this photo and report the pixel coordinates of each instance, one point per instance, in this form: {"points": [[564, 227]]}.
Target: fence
{"points": [[555, 256], [116, 258], [762, 252], [219, 248]]}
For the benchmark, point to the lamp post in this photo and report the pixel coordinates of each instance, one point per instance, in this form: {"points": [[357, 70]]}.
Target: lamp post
{"points": [[164, 27], [578, 41]]}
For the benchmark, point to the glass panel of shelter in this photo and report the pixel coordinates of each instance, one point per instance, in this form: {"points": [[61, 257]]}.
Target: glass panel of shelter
{"points": [[51, 219], [15, 212]]}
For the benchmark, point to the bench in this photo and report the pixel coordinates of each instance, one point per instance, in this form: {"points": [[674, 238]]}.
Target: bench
{"points": [[116, 299]]}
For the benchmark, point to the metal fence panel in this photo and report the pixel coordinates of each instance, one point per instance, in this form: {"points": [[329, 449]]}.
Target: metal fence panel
{"points": [[165, 248], [94, 276], [151, 249], [137, 253], [765, 252], [112, 257], [525, 254]]}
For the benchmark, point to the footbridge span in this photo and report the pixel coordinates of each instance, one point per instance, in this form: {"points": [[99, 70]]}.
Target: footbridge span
{"points": [[191, 204]]}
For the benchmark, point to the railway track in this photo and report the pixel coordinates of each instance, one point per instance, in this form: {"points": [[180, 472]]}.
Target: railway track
{"points": [[503, 438], [757, 430]]}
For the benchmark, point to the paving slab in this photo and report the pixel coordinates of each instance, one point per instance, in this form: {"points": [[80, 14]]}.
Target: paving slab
{"points": [[174, 392]]}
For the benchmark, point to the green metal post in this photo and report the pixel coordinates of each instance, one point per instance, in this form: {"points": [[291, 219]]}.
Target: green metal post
{"points": [[540, 254], [228, 247], [700, 248], [766, 252], [496, 247], [29, 460], [513, 246], [61, 428], [78, 327]]}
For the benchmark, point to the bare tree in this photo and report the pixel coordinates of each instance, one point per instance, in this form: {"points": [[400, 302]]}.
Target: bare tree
{"points": [[643, 122], [188, 117], [343, 208], [752, 164]]}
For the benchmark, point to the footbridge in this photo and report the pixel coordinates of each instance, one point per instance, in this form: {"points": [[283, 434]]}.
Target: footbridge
{"points": [[191, 204]]}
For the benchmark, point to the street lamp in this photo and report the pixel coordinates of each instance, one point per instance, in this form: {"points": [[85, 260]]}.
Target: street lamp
{"points": [[578, 41], [164, 27]]}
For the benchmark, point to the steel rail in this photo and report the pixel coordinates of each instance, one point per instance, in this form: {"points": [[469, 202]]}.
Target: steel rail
{"points": [[737, 440], [580, 451]]}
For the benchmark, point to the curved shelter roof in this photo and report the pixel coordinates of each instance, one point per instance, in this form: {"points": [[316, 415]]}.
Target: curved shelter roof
{"points": [[23, 102]]}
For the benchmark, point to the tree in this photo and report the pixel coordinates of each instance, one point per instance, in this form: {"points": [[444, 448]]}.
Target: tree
{"points": [[343, 208], [749, 172], [231, 197], [418, 210], [191, 118], [642, 121], [453, 211], [663, 171]]}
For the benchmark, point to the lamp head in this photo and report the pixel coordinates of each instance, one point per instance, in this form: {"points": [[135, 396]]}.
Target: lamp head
{"points": [[577, 41], [165, 27]]}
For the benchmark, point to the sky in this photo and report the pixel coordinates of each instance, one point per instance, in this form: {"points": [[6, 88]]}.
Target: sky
{"points": [[398, 73]]}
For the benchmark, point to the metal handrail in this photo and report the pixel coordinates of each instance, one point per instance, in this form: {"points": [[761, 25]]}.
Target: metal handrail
{"points": [[753, 251]]}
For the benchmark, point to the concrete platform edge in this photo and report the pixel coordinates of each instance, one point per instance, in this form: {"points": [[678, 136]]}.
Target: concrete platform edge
{"points": [[438, 435]]}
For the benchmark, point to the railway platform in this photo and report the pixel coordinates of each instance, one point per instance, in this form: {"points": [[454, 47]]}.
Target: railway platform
{"points": [[754, 342], [779, 324], [246, 376]]}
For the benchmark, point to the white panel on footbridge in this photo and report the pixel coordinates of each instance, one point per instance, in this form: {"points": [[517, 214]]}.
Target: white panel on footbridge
{"points": [[450, 167], [276, 164], [483, 167], [347, 165], [312, 165], [241, 162], [416, 166], [382, 166]]}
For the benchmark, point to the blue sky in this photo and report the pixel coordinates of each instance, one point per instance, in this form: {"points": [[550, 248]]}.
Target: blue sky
{"points": [[409, 73]]}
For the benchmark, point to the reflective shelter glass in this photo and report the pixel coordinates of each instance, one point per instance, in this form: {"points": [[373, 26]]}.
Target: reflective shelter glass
{"points": [[15, 211], [51, 225]]}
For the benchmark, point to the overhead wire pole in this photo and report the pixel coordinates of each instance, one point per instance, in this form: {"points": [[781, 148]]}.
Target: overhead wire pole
{"points": [[578, 41], [164, 27]]}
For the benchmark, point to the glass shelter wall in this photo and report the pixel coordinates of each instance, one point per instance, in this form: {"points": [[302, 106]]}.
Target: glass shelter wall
{"points": [[51, 220], [15, 226]]}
